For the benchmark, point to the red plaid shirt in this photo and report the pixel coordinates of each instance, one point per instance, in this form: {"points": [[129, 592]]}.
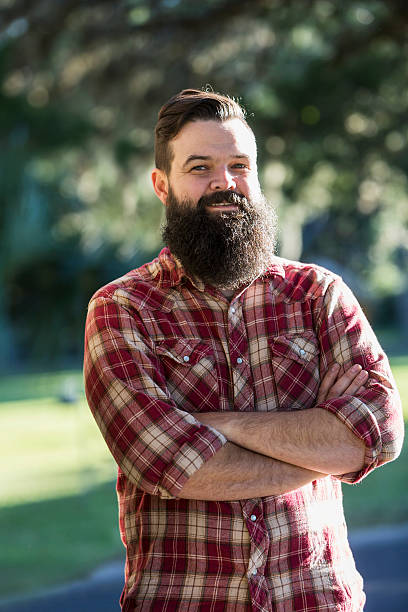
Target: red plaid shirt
{"points": [[160, 347]]}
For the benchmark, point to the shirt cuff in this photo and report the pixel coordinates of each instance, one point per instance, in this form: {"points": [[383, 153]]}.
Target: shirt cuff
{"points": [[361, 421], [189, 458]]}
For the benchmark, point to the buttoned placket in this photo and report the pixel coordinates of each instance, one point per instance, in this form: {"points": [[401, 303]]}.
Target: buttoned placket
{"points": [[252, 511], [239, 358], [244, 400]]}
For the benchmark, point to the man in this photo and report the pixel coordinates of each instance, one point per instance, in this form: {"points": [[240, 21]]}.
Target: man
{"points": [[236, 390]]}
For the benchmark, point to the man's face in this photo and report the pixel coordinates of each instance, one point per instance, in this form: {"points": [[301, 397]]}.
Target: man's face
{"points": [[210, 156], [218, 223]]}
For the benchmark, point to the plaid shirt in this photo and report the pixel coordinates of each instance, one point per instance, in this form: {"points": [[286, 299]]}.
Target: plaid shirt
{"points": [[160, 347]]}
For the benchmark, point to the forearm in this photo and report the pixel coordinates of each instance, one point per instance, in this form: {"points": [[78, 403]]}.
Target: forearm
{"points": [[235, 473], [313, 439]]}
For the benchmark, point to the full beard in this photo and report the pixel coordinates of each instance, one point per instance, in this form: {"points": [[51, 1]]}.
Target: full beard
{"points": [[226, 250]]}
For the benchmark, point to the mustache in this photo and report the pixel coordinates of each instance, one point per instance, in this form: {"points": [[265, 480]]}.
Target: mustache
{"points": [[218, 197]]}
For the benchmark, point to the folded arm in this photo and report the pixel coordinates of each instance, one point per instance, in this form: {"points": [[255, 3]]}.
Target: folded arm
{"points": [[160, 448], [236, 473], [356, 424], [313, 439], [274, 453]]}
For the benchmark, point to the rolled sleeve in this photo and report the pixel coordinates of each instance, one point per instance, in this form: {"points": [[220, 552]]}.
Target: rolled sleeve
{"points": [[156, 444], [374, 415]]}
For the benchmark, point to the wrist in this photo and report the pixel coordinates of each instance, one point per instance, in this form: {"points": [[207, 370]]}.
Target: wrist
{"points": [[222, 421]]}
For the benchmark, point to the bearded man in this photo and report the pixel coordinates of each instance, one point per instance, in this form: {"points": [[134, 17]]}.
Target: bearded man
{"points": [[236, 390]]}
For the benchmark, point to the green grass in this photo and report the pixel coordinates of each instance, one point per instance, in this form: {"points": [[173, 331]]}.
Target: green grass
{"points": [[399, 367], [54, 449], [49, 542], [35, 386], [58, 508], [382, 497]]}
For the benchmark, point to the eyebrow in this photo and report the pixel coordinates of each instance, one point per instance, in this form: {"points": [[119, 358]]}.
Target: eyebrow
{"points": [[192, 158]]}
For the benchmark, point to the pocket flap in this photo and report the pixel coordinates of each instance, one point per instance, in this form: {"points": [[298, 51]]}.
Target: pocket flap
{"points": [[298, 347], [184, 350]]}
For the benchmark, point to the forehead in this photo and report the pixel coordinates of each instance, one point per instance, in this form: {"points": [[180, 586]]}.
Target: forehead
{"points": [[214, 139]]}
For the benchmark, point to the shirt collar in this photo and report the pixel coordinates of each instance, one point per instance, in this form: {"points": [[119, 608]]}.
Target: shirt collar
{"points": [[275, 269], [176, 273]]}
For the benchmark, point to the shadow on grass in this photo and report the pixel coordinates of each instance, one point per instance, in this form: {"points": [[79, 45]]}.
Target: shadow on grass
{"points": [[67, 385], [57, 540]]}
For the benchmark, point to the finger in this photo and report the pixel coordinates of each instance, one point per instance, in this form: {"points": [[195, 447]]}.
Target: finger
{"points": [[359, 380], [327, 382], [345, 381]]}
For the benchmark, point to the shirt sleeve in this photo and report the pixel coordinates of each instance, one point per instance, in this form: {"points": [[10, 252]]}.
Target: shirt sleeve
{"points": [[374, 414], [156, 444]]}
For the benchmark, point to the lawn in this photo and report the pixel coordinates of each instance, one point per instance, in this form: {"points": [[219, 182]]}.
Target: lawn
{"points": [[58, 510], [383, 496], [54, 450], [54, 540]]}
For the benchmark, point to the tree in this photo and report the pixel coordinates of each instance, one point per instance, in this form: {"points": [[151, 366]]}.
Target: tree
{"points": [[323, 82]]}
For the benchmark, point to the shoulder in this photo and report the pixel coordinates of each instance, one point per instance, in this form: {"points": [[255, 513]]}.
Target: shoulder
{"points": [[299, 280], [145, 287]]}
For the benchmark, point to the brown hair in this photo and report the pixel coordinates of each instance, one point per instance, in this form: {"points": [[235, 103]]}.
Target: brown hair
{"points": [[190, 105]]}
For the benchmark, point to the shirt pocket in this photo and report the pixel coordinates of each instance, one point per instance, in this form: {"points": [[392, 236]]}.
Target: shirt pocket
{"points": [[191, 373], [295, 365]]}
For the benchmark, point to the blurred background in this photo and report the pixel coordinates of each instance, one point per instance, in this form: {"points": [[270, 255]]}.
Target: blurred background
{"points": [[325, 87]]}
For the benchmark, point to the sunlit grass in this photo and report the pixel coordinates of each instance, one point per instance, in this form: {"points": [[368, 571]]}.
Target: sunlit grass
{"points": [[58, 507], [52, 449], [399, 367], [382, 497], [59, 511]]}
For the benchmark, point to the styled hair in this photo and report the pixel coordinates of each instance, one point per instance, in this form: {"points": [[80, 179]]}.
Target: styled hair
{"points": [[190, 105]]}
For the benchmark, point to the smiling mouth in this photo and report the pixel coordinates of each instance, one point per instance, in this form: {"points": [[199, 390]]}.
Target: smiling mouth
{"points": [[224, 206]]}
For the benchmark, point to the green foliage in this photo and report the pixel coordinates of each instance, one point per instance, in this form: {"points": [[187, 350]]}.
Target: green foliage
{"points": [[324, 85], [57, 284]]}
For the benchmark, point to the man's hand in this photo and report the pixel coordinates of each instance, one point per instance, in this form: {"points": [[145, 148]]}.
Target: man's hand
{"points": [[349, 383], [314, 439]]}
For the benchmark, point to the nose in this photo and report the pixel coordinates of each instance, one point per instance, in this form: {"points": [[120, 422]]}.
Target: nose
{"points": [[224, 180]]}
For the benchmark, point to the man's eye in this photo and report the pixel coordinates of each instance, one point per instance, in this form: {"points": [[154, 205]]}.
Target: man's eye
{"points": [[199, 168], [240, 166]]}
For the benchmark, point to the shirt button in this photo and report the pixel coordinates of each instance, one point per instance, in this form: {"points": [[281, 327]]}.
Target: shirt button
{"points": [[253, 517], [239, 360], [232, 310], [186, 358], [302, 352], [254, 571]]}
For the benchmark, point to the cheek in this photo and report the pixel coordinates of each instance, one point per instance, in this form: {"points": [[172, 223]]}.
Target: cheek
{"points": [[193, 189], [250, 188]]}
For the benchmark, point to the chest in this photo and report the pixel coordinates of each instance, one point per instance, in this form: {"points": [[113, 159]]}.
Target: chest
{"points": [[259, 352]]}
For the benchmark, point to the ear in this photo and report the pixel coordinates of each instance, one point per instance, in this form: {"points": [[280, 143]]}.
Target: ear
{"points": [[160, 184]]}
